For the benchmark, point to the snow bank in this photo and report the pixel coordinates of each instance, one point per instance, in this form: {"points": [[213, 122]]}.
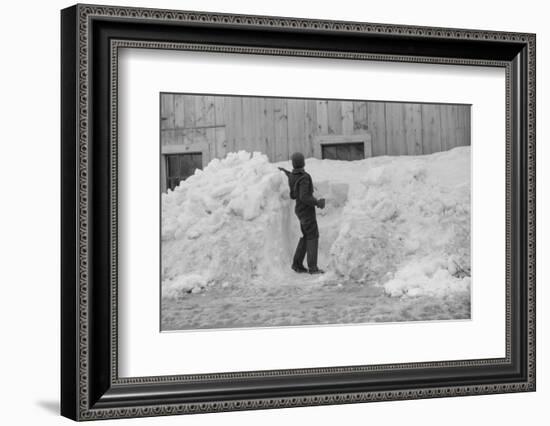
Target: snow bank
{"points": [[431, 275], [407, 225], [223, 224], [399, 222]]}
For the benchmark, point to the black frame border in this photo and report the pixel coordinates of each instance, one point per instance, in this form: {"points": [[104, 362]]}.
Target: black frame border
{"points": [[90, 387]]}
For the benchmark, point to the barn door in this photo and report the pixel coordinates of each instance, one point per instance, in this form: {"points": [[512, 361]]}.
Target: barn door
{"points": [[180, 166]]}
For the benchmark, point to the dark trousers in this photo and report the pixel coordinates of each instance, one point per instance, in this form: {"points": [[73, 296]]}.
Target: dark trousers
{"points": [[308, 243]]}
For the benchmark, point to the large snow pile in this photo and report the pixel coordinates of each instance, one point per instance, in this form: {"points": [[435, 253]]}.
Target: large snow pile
{"points": [[223, 225], [399, 222], [407, 225]]}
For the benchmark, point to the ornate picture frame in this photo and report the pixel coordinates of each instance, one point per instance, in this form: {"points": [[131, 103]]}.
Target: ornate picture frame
{"points": [[91, 37]]}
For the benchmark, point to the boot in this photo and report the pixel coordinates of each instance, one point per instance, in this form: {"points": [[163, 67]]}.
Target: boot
{"points": [[298, 261], [312, 246]]}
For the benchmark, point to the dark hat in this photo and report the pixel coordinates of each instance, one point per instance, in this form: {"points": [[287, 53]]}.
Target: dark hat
{"points": [[298, 160]]}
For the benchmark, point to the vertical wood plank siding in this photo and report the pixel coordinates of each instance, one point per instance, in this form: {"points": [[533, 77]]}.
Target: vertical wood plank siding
{"points": [[395, 129], [413, 128], [278, 127], [431, 129], [376, 125], [310, 126], [296, 111]]}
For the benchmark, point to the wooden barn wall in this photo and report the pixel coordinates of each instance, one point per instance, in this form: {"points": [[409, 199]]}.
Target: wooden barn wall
{"points": [[278, 127]]}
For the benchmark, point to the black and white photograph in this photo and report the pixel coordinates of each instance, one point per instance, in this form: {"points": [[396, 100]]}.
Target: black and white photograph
{"points": [[265, 209], [283, 212]]}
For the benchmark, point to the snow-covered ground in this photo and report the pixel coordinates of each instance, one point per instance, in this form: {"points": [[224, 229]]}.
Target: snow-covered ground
{"points": [[394, 240]]}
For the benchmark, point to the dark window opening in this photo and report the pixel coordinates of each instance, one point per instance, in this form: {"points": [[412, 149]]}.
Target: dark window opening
{"points": [[180, 166], [343, 151]]}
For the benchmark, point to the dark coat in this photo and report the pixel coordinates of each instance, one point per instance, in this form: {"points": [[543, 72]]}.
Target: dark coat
{"points": [[301, 190]]}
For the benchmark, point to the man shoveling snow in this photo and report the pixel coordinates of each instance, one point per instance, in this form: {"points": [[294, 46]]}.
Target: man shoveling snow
{"points": [[301, 190]]}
